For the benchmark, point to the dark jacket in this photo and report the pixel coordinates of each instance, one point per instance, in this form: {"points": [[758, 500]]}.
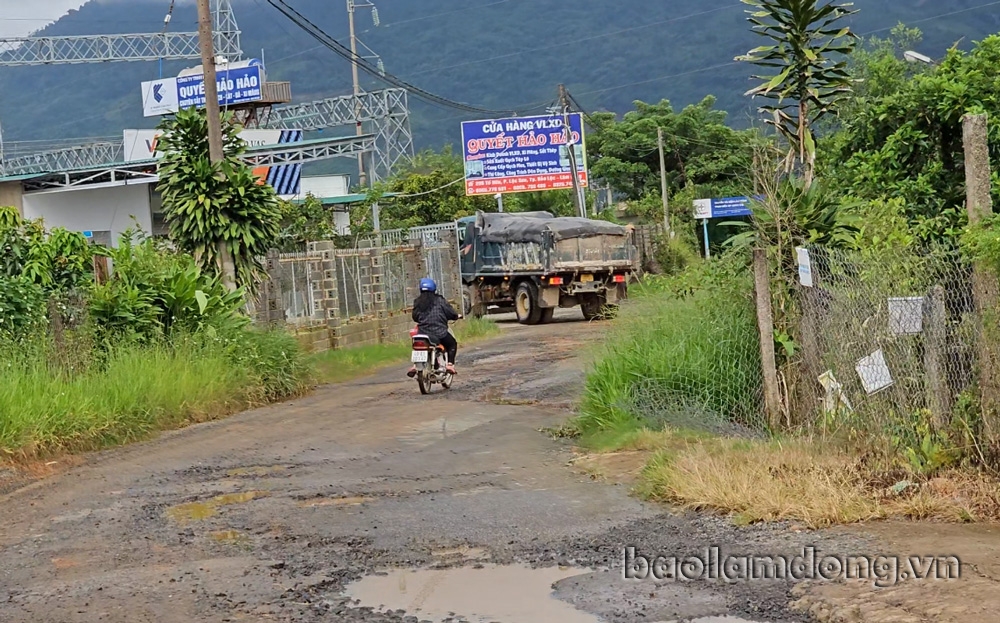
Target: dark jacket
{"points": [[432, 313]]}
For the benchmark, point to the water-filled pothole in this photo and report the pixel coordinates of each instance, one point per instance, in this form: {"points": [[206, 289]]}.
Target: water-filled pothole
{"points": [[488, 594], [504, 594]]}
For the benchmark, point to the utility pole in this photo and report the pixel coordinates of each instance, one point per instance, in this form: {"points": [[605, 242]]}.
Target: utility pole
{"points": [[227, 267], [362, 177], [663, 183], [581, 205]]}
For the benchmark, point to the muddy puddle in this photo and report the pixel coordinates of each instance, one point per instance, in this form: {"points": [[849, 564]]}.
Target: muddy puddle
{"points": [[489, 594], [197, 511]]}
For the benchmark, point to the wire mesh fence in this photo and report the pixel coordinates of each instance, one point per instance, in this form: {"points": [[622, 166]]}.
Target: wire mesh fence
{"points": [[888, 339], [350, 271]]}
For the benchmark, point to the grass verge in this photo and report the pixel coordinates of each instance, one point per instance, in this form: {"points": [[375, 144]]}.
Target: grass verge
{"points": [[338, 366], [134, 391], [137, 390], [806, 481]]}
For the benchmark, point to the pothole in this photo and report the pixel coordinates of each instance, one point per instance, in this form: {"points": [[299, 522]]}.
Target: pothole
{"points": [[197, 511], [491, 594], [323, 501], [257, 470]]}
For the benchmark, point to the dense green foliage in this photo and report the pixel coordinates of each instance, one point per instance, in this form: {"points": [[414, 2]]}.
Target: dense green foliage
{"points": [[157, 343], [905, 141], [700, 150], [208, 206], [683, 355]]}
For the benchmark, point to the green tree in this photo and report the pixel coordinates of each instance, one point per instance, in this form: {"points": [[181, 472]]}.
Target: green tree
{"points": [[808, 52], [700, 149], [429, 191], [304, 222], [208, 206], [905, 143]]}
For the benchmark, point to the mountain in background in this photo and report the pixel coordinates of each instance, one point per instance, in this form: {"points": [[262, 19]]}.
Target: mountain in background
{"points": [[508, 54]]}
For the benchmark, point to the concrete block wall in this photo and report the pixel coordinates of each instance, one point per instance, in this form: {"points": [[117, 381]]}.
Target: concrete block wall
{"points": [[396, 327], [357, 333], [314, 339]]}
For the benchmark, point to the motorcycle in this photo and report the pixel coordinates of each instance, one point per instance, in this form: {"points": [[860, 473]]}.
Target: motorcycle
{"points": [[431, 361]]}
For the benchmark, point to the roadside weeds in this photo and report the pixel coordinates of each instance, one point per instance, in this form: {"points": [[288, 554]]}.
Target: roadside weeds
{"points": [[808, 481]]}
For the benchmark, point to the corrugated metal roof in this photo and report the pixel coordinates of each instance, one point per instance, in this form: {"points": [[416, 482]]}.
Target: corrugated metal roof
{"points": [[21, 178], [344, 199]]}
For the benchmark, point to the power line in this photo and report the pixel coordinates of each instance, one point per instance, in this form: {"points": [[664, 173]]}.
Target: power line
{"points": [[934, 17], [320, 35]]}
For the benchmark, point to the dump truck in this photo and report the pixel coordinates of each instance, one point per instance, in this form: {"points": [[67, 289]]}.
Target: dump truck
{"points": [[532, 263]]}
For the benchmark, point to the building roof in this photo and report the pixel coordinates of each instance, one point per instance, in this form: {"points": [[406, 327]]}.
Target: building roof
{"points": [[343, 199]]}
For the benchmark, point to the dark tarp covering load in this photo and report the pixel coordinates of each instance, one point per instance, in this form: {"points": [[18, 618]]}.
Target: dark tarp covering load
{"points": [[533, 227]]}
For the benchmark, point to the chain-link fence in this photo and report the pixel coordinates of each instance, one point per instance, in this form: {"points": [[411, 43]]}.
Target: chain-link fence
{"points": [[888, 340]]}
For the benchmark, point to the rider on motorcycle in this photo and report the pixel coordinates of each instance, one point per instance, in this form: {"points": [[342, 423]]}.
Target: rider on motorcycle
{"points": [[432, 313]]}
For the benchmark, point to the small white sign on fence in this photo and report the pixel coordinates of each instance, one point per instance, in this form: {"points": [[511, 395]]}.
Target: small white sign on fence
{"points": [[906, 315], [805, 267], [874, 372]]}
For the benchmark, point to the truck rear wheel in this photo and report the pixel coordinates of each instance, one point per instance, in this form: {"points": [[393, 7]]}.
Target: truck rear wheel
{"points": [[526, 303], [471, 307], [547, 314], [593, 306]]}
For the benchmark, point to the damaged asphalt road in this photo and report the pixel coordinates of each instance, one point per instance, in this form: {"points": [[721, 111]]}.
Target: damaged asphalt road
{"points": [[270, 515]]}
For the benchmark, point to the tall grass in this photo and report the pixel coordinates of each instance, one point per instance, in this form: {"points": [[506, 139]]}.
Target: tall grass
{"points": [[134, 391], [681, 355]]}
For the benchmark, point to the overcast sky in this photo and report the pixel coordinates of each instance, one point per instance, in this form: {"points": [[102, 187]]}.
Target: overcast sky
{"points": [[20, 17]]}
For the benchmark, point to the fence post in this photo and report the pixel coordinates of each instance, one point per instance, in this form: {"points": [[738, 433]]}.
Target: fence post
{"points": [[979, 206], [765, 327], [271, 310], [812, 359], [938, 396], [326, 292]]}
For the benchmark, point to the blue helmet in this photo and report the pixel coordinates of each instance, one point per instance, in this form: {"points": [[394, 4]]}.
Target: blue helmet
{"points": [[428, 285]]}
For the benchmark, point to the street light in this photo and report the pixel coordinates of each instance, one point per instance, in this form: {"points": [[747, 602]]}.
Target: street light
{"points": [[917, 57]]}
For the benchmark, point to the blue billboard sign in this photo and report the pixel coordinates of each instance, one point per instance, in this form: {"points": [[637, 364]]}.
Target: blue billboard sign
{"points": [[523, 154], [241, 85], [237, 85]]}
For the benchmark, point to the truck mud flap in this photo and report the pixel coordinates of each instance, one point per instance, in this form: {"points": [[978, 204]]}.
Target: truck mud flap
{"points": [[548, 297]]}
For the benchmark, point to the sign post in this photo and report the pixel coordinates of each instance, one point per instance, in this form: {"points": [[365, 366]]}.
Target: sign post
{"points": [[729, 207], [526, 154]]}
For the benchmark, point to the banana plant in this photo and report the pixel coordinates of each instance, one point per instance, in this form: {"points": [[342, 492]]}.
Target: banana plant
{"points": [[808, 57]]}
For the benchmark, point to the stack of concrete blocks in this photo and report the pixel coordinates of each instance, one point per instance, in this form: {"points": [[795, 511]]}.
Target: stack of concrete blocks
{"points": [[326, 297]]}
